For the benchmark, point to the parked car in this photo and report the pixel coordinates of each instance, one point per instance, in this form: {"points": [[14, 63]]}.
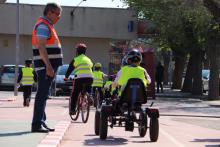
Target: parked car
{"points": [[59, 86], [7, 76], [205, 80]]}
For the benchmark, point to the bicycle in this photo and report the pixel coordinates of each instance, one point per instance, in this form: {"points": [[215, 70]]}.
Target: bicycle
{"points": [[82, 106], [97, 101]]}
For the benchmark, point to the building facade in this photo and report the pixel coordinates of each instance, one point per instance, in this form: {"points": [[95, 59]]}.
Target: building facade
{"points": [[97, 27]]}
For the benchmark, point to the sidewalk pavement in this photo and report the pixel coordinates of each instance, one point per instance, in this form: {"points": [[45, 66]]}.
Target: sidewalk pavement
{"points": [[173, 94], [176, 93], [8, 96], [15, 124]]}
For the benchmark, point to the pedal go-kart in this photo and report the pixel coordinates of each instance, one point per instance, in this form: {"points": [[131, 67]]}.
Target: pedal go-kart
{"points": [[126, 111]]}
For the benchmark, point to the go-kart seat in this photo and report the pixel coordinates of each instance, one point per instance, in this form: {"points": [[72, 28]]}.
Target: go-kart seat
{"points": [[134, 93]]}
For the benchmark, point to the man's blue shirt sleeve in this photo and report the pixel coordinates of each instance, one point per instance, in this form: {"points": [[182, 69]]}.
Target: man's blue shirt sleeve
{"points": [[43, 31]]}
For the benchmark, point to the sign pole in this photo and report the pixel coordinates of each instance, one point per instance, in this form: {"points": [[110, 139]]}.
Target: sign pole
{"points": [[17, 50]]}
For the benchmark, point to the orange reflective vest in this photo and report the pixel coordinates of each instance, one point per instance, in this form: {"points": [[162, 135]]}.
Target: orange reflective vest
{"points": [[53, 46]]}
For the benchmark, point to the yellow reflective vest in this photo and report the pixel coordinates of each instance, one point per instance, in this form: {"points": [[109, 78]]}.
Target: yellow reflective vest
{"points": [[97, 79], [83, 66], [128, 72], [27, 76], [107, 85]]}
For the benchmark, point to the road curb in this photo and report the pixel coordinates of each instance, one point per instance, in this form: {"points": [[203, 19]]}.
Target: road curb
{"points": [[53, 139], [180, 96], [214, 104], [10, 98]]}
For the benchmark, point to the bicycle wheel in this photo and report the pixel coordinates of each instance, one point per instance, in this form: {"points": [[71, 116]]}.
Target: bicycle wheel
{"points": [[85, 108], [74, 117], [97, 99]]}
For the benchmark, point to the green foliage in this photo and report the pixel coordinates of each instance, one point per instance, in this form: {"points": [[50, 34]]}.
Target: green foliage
{"points": [[185, 25]]}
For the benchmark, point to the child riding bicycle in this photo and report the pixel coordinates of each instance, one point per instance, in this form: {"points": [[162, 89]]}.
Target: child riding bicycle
{"points": [[82, 67], [98, 80]]}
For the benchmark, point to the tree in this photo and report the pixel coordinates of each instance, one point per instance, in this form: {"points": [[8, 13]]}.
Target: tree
{"points": [[166, 15], [185, 27], [213, 48], [196, 20]]}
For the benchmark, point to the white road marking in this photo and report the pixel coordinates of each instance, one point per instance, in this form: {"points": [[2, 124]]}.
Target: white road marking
{"points": [[29, 110], [176, 142], [64, 112]]}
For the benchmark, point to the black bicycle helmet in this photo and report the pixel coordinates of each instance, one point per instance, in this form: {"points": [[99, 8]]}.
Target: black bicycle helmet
{"points": [[134, 55]]}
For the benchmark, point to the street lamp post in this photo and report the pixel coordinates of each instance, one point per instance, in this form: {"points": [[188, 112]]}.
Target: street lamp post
{"points": [[72, 13], [17, 50]]}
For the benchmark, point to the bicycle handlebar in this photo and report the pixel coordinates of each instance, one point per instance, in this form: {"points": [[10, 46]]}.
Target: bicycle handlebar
{"points": [[70, 78]]}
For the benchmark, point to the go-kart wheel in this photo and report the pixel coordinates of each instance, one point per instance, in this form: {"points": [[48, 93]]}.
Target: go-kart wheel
{"points": [[142, 125], [154, 129], [97, 122], [103, 125]]}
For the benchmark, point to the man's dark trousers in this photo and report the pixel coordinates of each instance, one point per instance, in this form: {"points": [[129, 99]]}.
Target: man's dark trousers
{"points": [[44, 83]]}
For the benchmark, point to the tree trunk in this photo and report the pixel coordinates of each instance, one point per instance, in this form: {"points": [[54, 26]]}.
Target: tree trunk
{"points": [[187, 85], [214, 55], [206, 62], [166, 59], [214, 72], [178, 70], [197, 74]]}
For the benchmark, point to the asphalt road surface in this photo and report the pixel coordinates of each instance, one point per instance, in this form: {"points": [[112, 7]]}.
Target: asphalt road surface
{"points": [[183, 123], [196, 126]]}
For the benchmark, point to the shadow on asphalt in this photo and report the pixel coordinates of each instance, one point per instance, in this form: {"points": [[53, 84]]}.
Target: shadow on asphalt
{"points": [[77, 122], [139, 141], [217, 106], [13, 107], [90, 135], [135, 137], [207, 140], [110, 141], [14, 134], [142, 142], [185, 108]]}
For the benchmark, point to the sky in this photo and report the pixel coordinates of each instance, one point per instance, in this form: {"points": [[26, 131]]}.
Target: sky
{"points": [[87, 3]]}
